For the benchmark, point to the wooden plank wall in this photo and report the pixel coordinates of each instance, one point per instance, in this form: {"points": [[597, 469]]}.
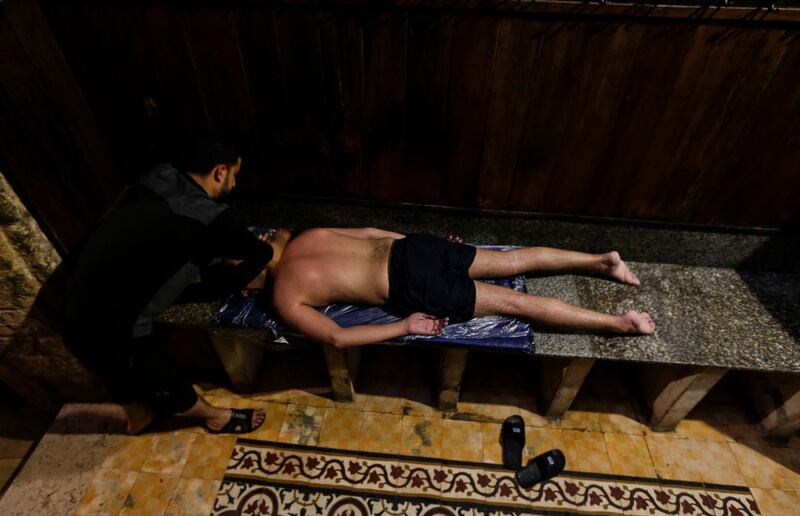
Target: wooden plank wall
{"points": [[665, 118]]}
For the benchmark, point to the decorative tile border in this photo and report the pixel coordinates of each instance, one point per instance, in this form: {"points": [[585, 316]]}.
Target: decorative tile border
{"points": [[280, 478]]}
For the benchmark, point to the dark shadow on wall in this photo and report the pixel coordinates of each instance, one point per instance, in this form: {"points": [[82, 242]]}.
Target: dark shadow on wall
{"points": [[772, 273]]}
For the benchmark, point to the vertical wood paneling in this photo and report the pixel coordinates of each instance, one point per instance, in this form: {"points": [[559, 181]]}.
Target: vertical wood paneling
{"points": [[343, 66], [385, 96], [554, 88], [430, 39], [469, 93], [668, 119], [517, 52]]}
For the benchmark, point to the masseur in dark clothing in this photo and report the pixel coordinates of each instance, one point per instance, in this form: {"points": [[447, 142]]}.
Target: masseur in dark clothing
{"points": [[165, 233]]}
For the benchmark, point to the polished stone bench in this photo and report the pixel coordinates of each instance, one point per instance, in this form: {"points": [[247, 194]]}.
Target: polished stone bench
{"points": [[722, 301]]}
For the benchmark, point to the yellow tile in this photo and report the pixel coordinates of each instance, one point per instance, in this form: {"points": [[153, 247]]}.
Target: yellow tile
{"points": [[528, 408], [130, 452], [675, 459], [271, 428], [302, 425], [492, 448], [700, 430], [619, 417], [719, 463], [381, 433], [169, 453], [629, 455], [788, 460], [341, 429], [422, 436], [586, 451], [149, 495], [539, 440], [107, 492], [773, 502], [209, 457], [193, 497], [418, 401], [378, 403], [582, 420], [757, 464], [490, 405], [462, 440]]}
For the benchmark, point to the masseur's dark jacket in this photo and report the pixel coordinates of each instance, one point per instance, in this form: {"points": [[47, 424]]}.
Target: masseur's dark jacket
{"points": [[163, 236]]}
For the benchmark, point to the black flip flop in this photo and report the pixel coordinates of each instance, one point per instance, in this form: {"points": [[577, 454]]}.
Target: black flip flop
{"points": [[512, 437], [541, 468], [239, 423]]}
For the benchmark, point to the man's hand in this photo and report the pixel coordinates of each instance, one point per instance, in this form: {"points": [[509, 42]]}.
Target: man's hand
{"points": [[424, 324]]}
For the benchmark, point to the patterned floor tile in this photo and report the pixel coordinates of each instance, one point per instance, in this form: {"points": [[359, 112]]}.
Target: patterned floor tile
{"points": [[586, 451], [462, 440], [381, 433], [169, 453], [341, 428], [193, 497], [629, 455], [422, 436], [107, 492], [302, 425], [149, 495], [208, 457]]}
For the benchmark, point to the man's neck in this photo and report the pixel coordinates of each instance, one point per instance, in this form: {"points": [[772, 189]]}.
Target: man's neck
{"points": [[203, 181]]}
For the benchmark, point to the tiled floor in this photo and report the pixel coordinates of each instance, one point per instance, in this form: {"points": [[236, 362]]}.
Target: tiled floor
{"points": [[85, 465]]}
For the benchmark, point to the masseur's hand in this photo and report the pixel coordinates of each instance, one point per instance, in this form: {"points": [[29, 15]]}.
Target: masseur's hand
{"points": [[424, 324]]}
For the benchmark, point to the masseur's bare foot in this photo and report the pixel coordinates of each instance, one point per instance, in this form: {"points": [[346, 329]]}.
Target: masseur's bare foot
{"points": [[139, 417], [616, 268], [638, 322], [217, 422]]}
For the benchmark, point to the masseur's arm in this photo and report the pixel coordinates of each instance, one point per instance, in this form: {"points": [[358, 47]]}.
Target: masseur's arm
{"points": [[311, 323]]}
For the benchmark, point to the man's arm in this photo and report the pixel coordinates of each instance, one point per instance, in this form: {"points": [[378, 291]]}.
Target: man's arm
{"points": [[311, 323], [367, 233]]}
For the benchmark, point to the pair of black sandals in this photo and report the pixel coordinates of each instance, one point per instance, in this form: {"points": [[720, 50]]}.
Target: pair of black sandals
{"points": [[540, 468]]}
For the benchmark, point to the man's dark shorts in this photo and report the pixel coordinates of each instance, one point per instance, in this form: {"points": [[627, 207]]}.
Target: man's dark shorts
{"points": [[431, 275]]}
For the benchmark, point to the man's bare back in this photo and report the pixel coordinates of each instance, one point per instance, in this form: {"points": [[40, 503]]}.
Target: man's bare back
{"points": [[324, 266]]}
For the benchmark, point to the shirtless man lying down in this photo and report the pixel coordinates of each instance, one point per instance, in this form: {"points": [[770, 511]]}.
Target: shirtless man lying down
{"points": [[431, 281]]}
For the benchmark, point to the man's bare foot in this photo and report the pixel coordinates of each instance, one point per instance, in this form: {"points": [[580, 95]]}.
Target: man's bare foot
{"points": [[638, 322], [616, 268], [139, 417], [216, 423]]}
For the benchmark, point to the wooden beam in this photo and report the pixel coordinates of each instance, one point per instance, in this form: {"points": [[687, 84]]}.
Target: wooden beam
{"points": [[561, 379], [680, 391], [452, 362]]}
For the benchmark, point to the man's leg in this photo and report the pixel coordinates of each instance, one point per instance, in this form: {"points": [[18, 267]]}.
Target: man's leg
{"points": [[494, 300], [499, 264]]}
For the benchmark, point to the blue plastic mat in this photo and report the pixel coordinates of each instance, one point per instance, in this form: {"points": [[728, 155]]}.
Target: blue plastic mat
{"points": [[493, 332]]}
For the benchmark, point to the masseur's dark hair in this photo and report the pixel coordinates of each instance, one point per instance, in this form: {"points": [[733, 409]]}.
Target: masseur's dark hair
{"points": [[200, 154]]}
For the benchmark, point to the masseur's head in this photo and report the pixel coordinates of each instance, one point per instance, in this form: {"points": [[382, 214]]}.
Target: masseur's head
{"points": [[213, 164]]}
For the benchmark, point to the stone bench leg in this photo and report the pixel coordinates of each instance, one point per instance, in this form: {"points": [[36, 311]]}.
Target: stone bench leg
{"points": [[452, 362], [241, 356], [561, 379], [777, 400], [343, 365], [675, 392]]}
